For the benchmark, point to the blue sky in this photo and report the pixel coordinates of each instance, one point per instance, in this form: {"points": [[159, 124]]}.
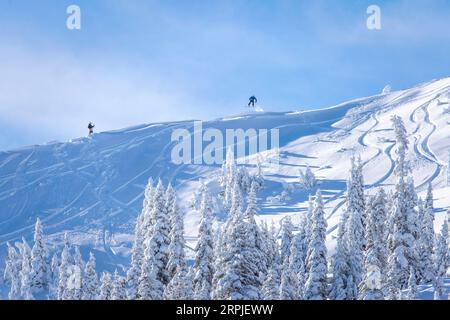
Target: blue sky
{"points": [[140, 61]]}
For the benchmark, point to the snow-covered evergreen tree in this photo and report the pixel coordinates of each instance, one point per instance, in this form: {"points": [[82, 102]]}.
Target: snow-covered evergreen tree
{"points": [[118, 287], [11, 265], [438, 288], [287, 235], [235, 212], [297, 264], [258, 178], [402, 242], [309, 221], [244, 182], [266, 246], [414, 222], [239, 272], [142, 232], [274, 249], [228, 178], [252, 208], [78, 258], [390, 219], [355, 246], [340, 268], [63, 292], [75, 277], [203, 267], [288, 289], [260, 244], [425, 272], [375, 259], [412, 285], [316, 283], [387, 89], [442, 259], [54, 277], [11, 275], [429, 198], [347, 264], [74, 289], [180, 286], [39, 260], [240, 278], [90, 280], [194, 203], [150, 286], [142, 236], [401, 137], [355, 191], [25, 272], [233, 174], [156, 252], [153, 271], [176, 246], [219, 257], [308, 179], [146, 218], [271, 286], [224, 243], [137, 254], [105, 286], [302, 239]]}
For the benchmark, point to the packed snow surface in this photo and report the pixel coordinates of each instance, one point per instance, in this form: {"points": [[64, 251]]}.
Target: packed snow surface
{"points": [[93, 187]]}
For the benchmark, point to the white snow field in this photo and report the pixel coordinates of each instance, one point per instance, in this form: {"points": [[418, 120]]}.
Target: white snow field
{"points": [[93, 187]]}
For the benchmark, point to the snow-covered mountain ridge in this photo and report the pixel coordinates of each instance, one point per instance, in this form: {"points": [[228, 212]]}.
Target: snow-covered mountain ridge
{"points": [[93, 187]]}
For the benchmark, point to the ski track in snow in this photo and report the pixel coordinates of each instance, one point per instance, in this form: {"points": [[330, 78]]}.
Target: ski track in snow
{"points": [[54, 220], [426, 154], [85, 158], [157, 159], [361, 141], [421, 147]]}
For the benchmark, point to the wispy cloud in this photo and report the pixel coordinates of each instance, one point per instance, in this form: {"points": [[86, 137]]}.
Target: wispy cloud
{"points": [[56, 94]]}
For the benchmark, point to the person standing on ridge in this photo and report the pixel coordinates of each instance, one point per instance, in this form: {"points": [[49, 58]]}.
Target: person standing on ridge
{"points": [[91, 127], [252, 101]]}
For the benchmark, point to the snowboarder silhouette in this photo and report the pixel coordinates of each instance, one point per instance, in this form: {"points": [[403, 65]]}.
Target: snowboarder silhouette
{"points": [[91, 127], [252, 101]]}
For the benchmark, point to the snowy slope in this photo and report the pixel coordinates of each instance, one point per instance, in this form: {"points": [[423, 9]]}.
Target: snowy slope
{"points": [[93, 187]]}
